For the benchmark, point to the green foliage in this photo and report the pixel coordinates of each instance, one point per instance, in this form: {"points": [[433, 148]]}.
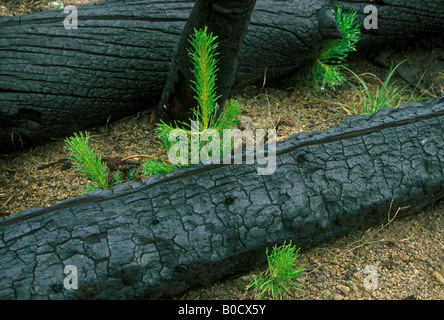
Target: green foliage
{"points": [[326, 69], [202, 54], [89, 162], [281, 272], [204, 70], [57, 4], [154, 166], [86, 160], [386, 95], [131, 175]]}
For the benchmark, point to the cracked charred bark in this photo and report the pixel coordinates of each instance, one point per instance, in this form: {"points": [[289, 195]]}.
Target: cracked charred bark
{"points": [[55, 81], [198, 224]]}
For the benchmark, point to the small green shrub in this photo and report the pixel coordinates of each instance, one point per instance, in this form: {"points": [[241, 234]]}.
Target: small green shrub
{"points": [[281, 272], [326, 69], [204, 69], [85, 159]]}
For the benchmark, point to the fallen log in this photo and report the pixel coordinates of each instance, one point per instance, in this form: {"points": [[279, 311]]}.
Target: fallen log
{"points": [[54, 81], [201, 223]]}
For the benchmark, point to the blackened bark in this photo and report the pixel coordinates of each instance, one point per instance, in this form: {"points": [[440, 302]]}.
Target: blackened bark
{"points": [[55, 81], [201, 223]]}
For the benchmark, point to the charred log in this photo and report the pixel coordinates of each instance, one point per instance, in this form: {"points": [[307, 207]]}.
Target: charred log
{"points": [[54, 81], [201, 223]]}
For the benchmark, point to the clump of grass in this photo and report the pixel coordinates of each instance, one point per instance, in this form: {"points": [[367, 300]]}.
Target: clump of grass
{"points": [[281, 273], [386, 95], [202, 55], [86, 159], [326, 69]]}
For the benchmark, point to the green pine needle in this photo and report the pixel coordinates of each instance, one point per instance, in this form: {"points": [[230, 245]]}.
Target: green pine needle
{"points": [[326, 68], [281, 272], [202, 55], [153, 166], [86, 160]]}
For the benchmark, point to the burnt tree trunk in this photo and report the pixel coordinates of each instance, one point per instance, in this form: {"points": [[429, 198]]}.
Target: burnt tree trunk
{"points": [[228, 20], [54, 81], [201, 223]]}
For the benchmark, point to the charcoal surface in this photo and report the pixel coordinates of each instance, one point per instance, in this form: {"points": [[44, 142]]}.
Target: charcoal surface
{"points": [[201, 223]]}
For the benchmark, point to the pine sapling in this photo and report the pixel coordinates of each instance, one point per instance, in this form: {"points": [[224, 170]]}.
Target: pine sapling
{"points": [[281, 273], [326, 69], [87, 160], [202, 54]]}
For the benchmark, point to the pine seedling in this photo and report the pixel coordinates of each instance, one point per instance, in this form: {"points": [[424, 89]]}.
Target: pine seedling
{"points": [[202, 54], [281, 272], [154, 166], [87, 160], [326, 69]]}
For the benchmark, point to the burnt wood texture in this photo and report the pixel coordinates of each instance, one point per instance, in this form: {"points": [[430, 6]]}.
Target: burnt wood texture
{"points": [[201, 223]]}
